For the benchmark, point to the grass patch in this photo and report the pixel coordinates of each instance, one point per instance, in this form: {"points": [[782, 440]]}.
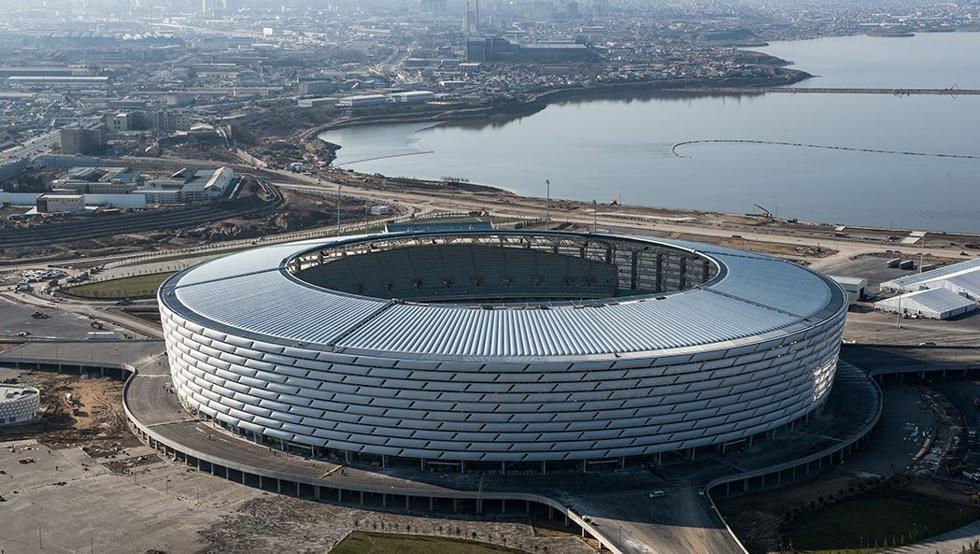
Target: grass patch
{"points": [[139, 286], [360, 542], [878, 521]]}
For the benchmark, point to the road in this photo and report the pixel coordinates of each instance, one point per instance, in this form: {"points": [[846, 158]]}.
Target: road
{"points": [[531, 208], [95, 311], [614, 504], [428, 201]]}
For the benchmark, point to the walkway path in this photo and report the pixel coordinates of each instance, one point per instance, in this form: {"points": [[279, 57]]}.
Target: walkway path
{"points": [[954, 542]]}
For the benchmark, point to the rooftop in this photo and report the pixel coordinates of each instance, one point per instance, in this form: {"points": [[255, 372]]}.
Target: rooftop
{"points": [[256, 294]]}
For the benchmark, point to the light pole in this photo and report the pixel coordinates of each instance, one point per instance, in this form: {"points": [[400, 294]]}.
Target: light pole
{"points": [[898, 319], [338, 209], [547, 202]]}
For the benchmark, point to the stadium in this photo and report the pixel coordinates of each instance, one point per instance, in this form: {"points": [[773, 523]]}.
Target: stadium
{"points": [[501, 349]]}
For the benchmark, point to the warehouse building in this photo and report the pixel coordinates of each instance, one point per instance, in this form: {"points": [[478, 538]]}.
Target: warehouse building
{"points": [[936, 303], [962, 278], [49, 203], [855, 287]]}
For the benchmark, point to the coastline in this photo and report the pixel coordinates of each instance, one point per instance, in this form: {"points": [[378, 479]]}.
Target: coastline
{"points": [[534, 103]]}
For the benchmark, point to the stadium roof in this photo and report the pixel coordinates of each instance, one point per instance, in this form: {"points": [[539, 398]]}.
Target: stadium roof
{"points": [[754, 297]]}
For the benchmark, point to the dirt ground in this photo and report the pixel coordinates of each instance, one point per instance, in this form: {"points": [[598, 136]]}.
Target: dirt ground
{"points": [[83, 412], [272, 523]]}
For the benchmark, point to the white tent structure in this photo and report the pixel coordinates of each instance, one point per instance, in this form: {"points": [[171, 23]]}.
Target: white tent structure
{"points": [[960, 278], [939, 303]]}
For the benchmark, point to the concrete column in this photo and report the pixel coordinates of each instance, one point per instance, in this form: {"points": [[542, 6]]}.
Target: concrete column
{"points": [[503, 506], [243, 477], [408, 499], [432, 504], [384, 500], [316, 491], [479, 506], [454, 505], [297, 489], [527, 506], [340, 496], [362, 498], [261, 482], [279, 486]]}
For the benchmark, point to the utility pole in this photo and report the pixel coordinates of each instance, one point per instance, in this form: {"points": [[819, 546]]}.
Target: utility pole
{"points": [[898, 319], [338, 209], [922, 250], [547, 202]]}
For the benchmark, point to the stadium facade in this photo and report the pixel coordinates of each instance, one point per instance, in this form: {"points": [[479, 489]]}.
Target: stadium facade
{"points": [[470, 349]]}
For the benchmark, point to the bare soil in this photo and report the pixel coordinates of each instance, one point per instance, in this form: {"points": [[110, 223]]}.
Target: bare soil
{"points": [[92, 417]]}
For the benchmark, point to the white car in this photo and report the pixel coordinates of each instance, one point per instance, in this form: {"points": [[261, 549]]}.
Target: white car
{"points": [[657, 493]]}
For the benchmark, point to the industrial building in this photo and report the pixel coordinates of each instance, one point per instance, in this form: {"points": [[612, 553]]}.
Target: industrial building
{"points": [[18, 405], [368, 100], [500, 49], [84, 140], [189, 186], [362, 101], [316, 87], [962, 278], [498, 349], [855, 287], [936, 303], [50, 203], [100, 180], [411, 97]]}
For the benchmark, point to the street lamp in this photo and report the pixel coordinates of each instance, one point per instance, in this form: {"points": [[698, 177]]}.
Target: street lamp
{"points": [[547, 203], [338, 209]]}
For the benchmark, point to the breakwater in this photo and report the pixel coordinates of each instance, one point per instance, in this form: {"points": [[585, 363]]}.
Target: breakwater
{"points": [[679, 145]]}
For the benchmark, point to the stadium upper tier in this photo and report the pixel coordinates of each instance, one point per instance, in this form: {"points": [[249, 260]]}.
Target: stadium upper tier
{"points": [[501, 345]]}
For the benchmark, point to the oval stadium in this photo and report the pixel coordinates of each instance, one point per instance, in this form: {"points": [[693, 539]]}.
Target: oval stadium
{"points": [[515, 349]]}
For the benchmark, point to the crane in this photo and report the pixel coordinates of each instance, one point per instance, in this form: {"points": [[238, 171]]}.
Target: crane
{"points": [[765, 211]]}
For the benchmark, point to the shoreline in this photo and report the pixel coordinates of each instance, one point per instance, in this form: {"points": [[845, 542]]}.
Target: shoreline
{"points": [[537, 102], [516, 109]]}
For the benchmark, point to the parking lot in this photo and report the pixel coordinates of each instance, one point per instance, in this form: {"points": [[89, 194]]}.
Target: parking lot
{"points": [[17, 318]]}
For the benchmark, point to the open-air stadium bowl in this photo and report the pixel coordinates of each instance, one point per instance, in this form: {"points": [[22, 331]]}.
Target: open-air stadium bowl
{"points": [[476, 348]]}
